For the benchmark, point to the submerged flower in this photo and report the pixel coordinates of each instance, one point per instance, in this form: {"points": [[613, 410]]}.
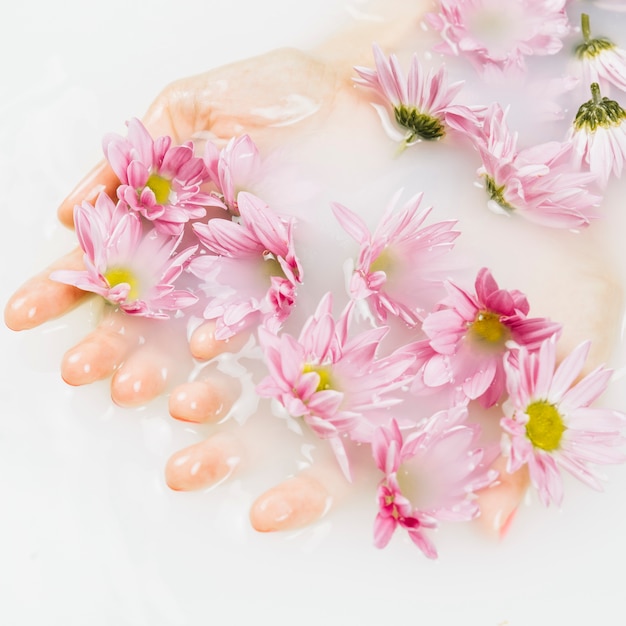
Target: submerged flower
{"points": [[598, 136], [334, 382], [130, 268], [499, 34], [600, 60], [160, 181], [418, 107], [251, 272], [551, 423], [430, 475], [398, 271], [539, 183], [470, 334]]}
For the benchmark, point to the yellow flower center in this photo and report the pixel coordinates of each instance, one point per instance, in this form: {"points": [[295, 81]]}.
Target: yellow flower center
{"points": [[161, 187], [383, 262], [325, 374], [120, 276], [488, 330], [545, 425]]}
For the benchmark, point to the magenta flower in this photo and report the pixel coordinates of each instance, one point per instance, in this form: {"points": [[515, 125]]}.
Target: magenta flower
{"points": [[418, 107], [398, 270], [251, 272], [551, 423], [498, 35], [130, 268], [334, 382], [540, 183], [471, 333], [598, 136], [430, 476], [160, 181]]}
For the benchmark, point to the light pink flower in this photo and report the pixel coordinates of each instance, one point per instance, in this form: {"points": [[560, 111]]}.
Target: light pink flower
{"points": [[130, 268], [417, 107], [430, 475], [499, 34], [251, 272], [551, 423], [540, 183], [598, 136], [334, 382], [160, 181], [471, 333], [398, 270]]}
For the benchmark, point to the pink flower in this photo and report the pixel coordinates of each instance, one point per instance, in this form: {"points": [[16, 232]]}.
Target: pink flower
{"points": [[398, 270], [471, 333], [418, 107], [539, 183], [251, 272], [334, 382], [160, 181], [499, 34], [551, 423], [430, 476], [598, 136], [128, 267]]}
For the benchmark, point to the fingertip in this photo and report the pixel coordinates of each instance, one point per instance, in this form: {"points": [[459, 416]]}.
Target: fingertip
{"points": [[140, 379], [199, 402], [204, 345]]}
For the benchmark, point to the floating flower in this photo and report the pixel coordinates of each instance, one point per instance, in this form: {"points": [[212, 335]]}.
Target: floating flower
{"points": [[497, 34], [598, 136], [421, 104], [334, 382], [539, 183], [251, 272], [398, 270], [471, 333], [130, 268], [550, 422], [430, 475], [160, 181], [600, 60]]}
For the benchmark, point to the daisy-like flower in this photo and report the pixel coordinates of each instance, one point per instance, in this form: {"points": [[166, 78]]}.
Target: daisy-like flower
{"points": [[470, 334], [130, 268], [539, 183], [160, 181], [499, 34], [418, 107], [551, 424], [251, 272], [398, 271], [334, 382], [598, 136], [600, 60], [430, 476]]}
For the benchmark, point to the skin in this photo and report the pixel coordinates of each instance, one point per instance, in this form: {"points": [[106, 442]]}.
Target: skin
{"points": [[139, 370]]}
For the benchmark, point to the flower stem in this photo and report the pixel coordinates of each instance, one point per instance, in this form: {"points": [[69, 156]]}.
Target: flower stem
{"points": [[595, 93], [584, 25]]}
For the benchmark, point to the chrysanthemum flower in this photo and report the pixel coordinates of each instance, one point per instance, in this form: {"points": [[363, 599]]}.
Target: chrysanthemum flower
{"points": [[471, 333], [598, 136], [160, 181], [600, 60], [539, 183], [500, 34], [398, 271], [430, 475], [551, 423], [130, 268], [418, 107], [334, 382], [251, 272]]}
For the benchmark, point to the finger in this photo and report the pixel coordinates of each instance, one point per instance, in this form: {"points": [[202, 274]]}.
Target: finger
{"points": [[204, 464], [40, 299], [499, 503], [100, 178], [292, 504], [204, 345], [202, 401]]}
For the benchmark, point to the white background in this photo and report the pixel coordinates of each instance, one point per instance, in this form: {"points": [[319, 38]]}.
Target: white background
{"points": [[89, 534]]}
